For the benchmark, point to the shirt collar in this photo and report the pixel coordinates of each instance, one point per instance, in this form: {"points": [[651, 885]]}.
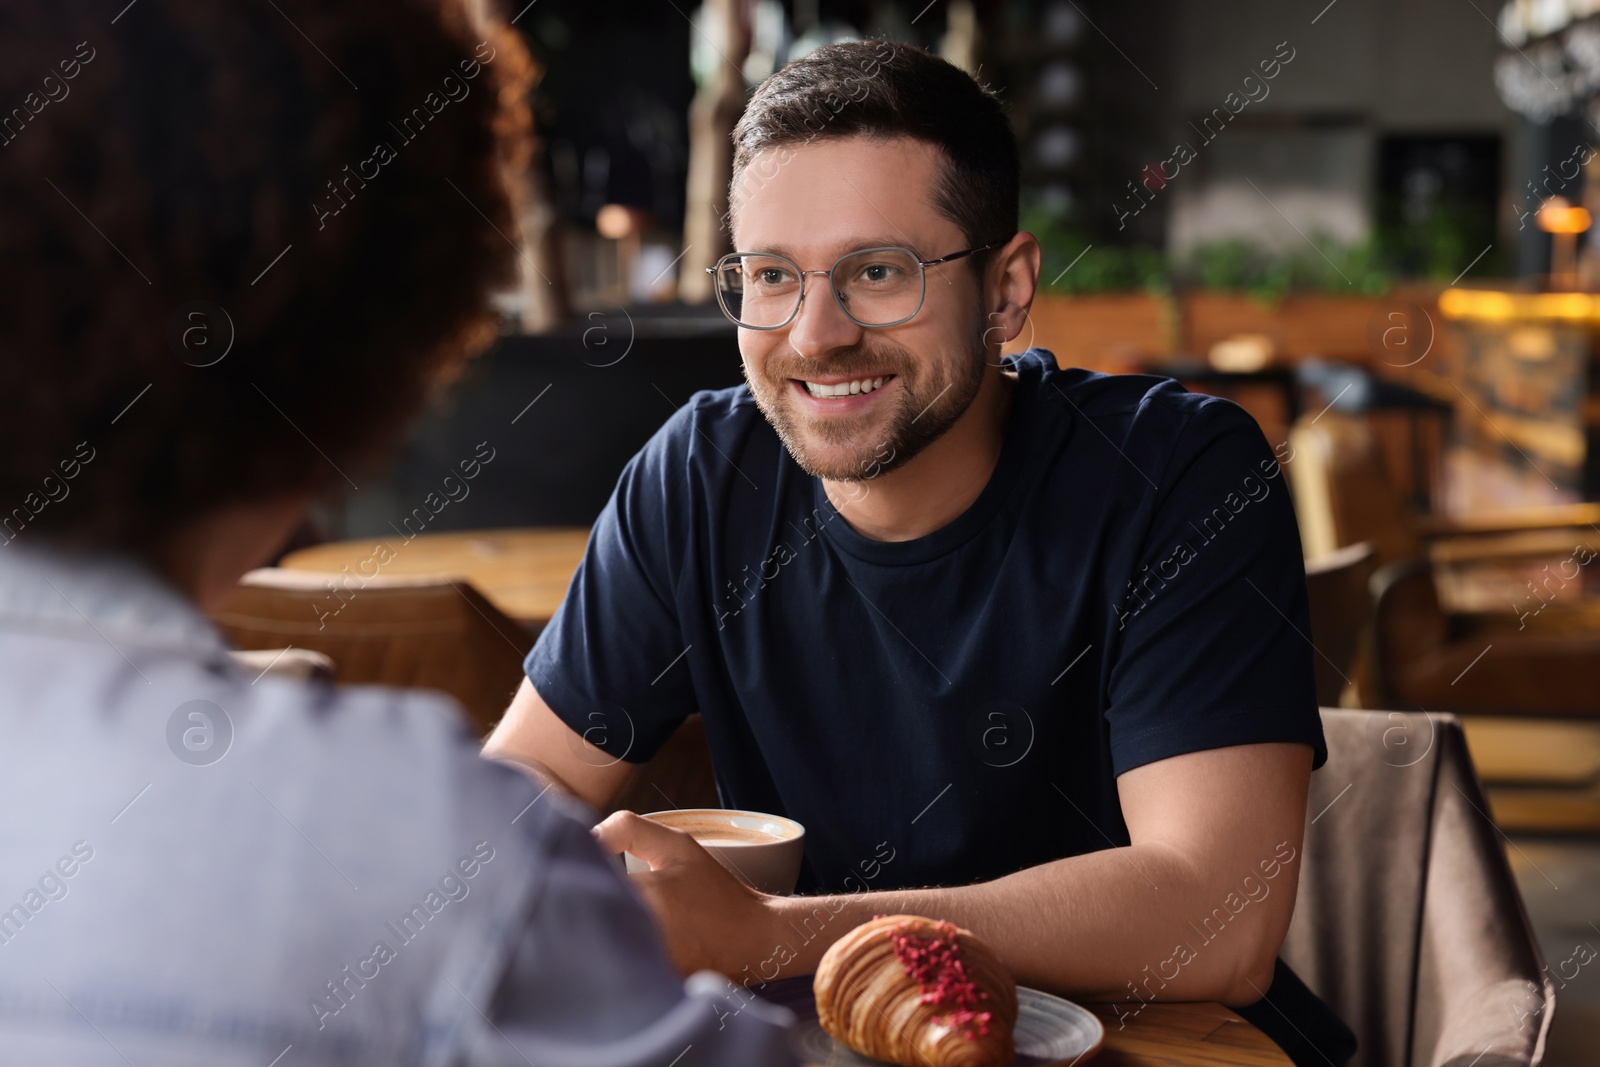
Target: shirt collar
{"points": [[108, 595]]}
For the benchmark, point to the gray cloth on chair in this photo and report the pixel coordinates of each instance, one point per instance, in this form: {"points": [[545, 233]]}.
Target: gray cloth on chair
{"points": [[1408, 921]]}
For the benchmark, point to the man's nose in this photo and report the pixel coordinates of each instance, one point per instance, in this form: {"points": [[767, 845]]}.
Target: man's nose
{"points": [[821, 326]]}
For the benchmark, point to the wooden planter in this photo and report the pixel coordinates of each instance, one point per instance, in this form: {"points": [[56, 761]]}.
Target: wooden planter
{"points": [[1332, 327], [1118, 331], [1111, 332]]}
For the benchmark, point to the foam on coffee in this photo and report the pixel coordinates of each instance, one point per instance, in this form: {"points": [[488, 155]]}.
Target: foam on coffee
{"points": [[770, 848], [728, 829]]}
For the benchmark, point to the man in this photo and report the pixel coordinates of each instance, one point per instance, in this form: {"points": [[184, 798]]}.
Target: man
{"points": [[1023, 636], [228, 284]]}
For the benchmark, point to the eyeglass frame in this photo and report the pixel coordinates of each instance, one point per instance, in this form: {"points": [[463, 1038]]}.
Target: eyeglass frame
{"points": [[922, 265]]}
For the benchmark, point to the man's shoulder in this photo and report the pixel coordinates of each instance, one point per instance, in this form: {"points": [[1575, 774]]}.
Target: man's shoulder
{"points": [[711, 438], [1149, 413], [720, 414], [1102, 395]]}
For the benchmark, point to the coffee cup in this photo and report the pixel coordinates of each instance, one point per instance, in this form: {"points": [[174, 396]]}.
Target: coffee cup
{"points": [[763, 851]]}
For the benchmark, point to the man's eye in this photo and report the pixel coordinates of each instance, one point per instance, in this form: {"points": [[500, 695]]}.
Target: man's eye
{"points": [[771, 276], [878, 272]]}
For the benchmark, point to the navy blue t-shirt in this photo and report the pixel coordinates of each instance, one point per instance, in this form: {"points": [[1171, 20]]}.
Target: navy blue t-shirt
{"points": [[1127, 587]]}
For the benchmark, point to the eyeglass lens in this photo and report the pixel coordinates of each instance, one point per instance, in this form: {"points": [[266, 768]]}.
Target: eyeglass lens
{"points": [[877, 287]]}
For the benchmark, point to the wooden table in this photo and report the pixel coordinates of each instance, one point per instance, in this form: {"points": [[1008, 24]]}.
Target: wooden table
{"points": [[524, 572], [1182, 1035]]}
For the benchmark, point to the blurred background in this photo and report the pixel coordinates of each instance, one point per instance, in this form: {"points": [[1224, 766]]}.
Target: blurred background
{"points": [[1233, 188], [1367, 222]]}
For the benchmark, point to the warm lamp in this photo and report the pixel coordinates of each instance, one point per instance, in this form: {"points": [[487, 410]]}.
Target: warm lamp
{"points": [[1563, 223], [1557, 216], [616, 221], [624, 225]]}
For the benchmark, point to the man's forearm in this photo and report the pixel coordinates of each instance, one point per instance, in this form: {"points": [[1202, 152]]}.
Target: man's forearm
{"points": [[534, 738], [1122, 924]]}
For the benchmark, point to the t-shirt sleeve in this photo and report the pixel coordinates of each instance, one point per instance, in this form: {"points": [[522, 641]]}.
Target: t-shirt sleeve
{"points": [[1212, 633], [602, 664]]}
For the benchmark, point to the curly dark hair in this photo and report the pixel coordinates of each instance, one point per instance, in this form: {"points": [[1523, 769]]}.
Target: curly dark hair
{"points": [[883, 89], [192, 174]]}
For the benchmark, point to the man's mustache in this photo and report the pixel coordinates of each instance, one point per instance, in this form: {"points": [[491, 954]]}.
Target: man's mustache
{"points": [[855, 363]]}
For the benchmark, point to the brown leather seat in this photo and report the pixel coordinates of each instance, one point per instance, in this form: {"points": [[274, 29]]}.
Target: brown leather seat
{"points": [[1418, 653], [1408, 921], [1423, 657], [429, 633]]}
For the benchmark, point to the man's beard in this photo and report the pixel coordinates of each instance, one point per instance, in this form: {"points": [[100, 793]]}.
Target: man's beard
{"points": [[923, 410]]}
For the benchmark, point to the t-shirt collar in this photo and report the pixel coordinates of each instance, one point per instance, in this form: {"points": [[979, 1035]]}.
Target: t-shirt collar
{"points": [[1030, 367]]}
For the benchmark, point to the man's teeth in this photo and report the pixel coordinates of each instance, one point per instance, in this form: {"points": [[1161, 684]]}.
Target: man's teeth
{"points": [[860, 385]]}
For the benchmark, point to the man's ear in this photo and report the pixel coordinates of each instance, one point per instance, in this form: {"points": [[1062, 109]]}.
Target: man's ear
{"points": [[1010, 282]]}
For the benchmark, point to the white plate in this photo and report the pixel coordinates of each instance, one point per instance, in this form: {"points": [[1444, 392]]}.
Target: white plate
{"points": [[1049, 1031]]}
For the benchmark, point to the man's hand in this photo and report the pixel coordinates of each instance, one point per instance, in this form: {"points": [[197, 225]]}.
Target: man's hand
{"points": [[708, 917]]}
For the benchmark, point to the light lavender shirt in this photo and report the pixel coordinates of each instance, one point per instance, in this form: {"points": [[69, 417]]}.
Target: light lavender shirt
{"points": [[202, 867]]}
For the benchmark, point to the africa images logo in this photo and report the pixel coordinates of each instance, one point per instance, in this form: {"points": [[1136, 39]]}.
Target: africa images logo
{"points": [[199, 733]]}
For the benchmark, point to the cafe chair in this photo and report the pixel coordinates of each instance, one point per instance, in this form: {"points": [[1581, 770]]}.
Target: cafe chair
{"points": [[1412, 427], [1343, 495], [1418, 650], [426, 633], [1341, 609], [1408, 922], [1531, 700], [1424, 657]]}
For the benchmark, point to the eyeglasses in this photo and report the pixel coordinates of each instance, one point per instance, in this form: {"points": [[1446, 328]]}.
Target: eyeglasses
{"points": [[875, 287]]}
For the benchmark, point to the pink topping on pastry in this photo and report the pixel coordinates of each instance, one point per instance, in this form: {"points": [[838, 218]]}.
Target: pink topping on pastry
{"points": [[935, 964]]}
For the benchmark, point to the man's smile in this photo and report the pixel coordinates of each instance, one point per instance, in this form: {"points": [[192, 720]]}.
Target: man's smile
{"points": [[841, 394]]}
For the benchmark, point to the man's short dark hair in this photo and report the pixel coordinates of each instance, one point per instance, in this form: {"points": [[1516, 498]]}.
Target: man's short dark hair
{"points": [[194, 174], [881, 89]]}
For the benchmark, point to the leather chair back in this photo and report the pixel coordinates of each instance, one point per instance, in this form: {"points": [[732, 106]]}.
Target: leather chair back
{"points": [[1341, 611], [1408, 922], [1410, 633], [427, 633]]}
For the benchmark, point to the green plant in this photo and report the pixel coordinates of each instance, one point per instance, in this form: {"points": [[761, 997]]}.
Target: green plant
{"points": [[1323, 265], [1072, 263], [1450, 240]]}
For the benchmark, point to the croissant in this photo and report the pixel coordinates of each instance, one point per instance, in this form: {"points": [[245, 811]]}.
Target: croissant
{"points": [[919, 993]]}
